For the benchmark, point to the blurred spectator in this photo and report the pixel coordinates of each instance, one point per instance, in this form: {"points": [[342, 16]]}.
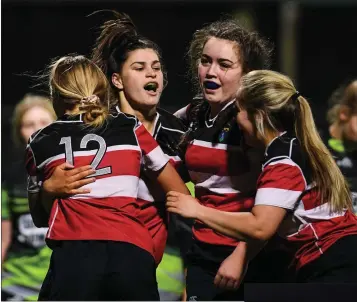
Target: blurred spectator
{"points": [[342, 132], [24, 257]]}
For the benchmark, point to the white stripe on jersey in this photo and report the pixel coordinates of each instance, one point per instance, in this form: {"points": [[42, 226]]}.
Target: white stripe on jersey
{"points": [[155, 159], [277, 197], [88, 153], [113, 186], [144, 193], [214, 183], [321, 212], [213, 145]]}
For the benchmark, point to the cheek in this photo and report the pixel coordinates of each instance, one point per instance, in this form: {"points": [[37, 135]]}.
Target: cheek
{"points": [[201, 72]]}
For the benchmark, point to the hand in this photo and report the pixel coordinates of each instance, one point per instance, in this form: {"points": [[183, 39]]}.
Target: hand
{"points": [[231, 272], [67, 180], [182, 204]]}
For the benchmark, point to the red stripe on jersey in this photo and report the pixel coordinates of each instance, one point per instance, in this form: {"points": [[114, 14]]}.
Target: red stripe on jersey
{"points": [[282, 176], [215, 160], [152, 215], [75, 219], [146, 142], [315, 238], [122, 162], [223, 202]]}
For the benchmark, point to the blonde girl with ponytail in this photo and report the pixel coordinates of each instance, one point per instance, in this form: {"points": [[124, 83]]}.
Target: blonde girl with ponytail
{"points": [[301, 193]]}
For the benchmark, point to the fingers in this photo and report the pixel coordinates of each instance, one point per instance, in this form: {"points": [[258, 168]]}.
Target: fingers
{"points": [[76, 171], [80, 183], [173, 194], [79, 191], [217, 279], [65, 166], [83, 174]]}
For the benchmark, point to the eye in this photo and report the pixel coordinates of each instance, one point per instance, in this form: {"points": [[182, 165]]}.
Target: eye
{"points": [[157, 68], [225, 65], [204, 61], [139, 68]]}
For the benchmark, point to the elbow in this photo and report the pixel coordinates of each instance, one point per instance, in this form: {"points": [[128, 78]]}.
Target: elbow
{"points": [[261, 234]]}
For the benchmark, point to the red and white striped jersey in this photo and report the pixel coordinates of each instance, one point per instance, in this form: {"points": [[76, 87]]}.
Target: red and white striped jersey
{"points": [[167, 132], [224, 175], [115, 150], [310, 226]]}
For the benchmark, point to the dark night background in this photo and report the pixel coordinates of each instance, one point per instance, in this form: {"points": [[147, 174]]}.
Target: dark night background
{"points": [[33, 32]]}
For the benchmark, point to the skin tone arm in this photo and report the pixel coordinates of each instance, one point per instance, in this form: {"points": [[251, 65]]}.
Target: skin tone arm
{"points": [[6, 232], [168, 178], [64, 181], [259, 224]]}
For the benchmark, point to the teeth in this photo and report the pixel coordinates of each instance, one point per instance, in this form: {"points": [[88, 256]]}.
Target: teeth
{"points": [[151, 86], [211, 85]]}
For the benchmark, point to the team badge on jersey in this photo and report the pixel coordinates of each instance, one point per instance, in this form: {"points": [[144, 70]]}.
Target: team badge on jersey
{"points": [[223, 134]]}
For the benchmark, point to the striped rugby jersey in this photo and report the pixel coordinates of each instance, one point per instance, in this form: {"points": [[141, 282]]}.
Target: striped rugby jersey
{"points": [[224, 176], [285, 181], [167, 131], [110, 211]]}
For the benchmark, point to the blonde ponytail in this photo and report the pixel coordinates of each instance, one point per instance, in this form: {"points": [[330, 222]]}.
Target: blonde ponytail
{"points": [[79, 86], [272, 99]]}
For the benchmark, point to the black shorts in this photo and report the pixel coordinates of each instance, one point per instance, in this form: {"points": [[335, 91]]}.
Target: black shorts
{"points": [[200, 286], [100, 270], [337, 265]]}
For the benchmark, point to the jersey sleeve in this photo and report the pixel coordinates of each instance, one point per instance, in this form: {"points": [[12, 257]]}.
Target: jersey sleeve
{"points": [[280, 184], [33, 180], [153, 157]]}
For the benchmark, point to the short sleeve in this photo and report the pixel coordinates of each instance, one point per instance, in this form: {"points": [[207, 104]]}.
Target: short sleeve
{"points": [[280, 184], [153, 156], [33, 181]]}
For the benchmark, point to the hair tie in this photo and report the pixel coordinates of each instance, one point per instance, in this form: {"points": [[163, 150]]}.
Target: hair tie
{"points": [[295, 96], [93, 99]]}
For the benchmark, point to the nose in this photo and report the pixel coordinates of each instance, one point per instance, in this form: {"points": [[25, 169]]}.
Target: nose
{"points": [[150, 73], [211, 71]]}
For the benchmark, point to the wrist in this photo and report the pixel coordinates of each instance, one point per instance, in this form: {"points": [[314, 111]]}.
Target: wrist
{"points": [[200, 212]]}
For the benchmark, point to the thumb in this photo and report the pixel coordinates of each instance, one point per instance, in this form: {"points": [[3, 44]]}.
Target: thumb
{"points": [[66, 166]]}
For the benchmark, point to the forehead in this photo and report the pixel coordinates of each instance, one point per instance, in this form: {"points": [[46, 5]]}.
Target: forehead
{"points": [[142, 55], [36, 113], [221, 49]]}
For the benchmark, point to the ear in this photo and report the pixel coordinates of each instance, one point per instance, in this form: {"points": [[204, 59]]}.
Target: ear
{"points": [[117, 81], [344, 113]]}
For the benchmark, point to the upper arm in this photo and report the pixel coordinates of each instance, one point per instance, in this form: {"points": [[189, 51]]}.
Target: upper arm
{"points": [[279, 189], [153, 157]]}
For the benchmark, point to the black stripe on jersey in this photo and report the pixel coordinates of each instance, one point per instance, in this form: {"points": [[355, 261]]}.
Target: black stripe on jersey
{"points": [[168, 132], [117, 130], [224, 130], [285, 146]]}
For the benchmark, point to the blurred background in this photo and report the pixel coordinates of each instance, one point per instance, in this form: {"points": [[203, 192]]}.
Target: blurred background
{"points": [[315, 41]]}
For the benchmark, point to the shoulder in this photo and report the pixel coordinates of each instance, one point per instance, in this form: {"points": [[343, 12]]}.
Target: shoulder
{"points": [[170, 121]]}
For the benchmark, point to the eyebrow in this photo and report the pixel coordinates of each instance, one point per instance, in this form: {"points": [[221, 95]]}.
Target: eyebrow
{"points": [[143, 63], [219, 60]]}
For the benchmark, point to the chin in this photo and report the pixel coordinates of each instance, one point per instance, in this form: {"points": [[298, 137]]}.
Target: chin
{"points": [[212, 98]]}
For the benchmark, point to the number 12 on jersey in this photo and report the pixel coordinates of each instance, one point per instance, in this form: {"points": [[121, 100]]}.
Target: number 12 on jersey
{"points": [[67, 142]]}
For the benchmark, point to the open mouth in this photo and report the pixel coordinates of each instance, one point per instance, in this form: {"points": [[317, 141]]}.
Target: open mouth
{"points": [[211, 85], [151, 86]]}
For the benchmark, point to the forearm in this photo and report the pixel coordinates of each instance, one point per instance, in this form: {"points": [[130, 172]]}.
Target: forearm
{"points": [[243, 226], [6, 233], [170, 180]]}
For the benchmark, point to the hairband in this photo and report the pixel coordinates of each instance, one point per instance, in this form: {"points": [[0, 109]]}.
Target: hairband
{"points": [[295, 96], [93, 99]]}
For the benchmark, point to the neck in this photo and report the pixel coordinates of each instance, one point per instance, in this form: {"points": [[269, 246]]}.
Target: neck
{"points": [[146, 116], [269, 136], [216, 107], [335, 131]]}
